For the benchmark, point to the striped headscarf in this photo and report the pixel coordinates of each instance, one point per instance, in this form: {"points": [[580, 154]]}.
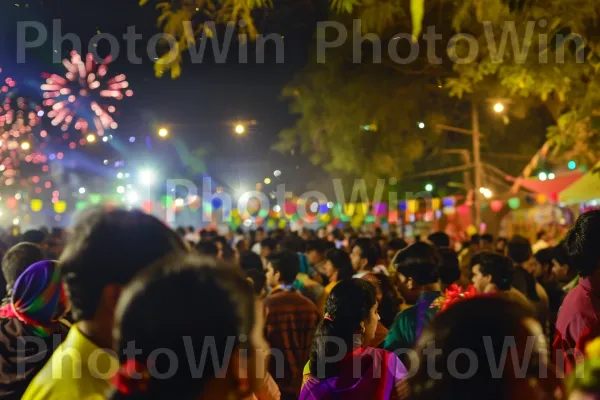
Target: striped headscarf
{"points": [[38, 297]]}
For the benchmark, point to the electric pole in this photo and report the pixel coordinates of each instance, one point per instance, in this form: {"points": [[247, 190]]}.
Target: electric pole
{"points": [[476, 165]]}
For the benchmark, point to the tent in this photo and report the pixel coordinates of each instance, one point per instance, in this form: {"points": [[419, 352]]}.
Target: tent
{"points": [[550, 187], [586, 188]]}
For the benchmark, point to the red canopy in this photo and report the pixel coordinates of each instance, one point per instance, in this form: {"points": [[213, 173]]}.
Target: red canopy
{"points": [[550, 187]]}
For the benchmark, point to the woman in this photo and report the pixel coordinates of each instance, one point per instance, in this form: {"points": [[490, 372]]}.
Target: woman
{"points": [[487, 347], [37, 303], [338, 267], [170, 311], [350, 320]]}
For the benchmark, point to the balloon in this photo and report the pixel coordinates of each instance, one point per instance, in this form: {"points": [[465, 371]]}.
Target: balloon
{"points": [[514, 203], [471, 230], [496, 205]]}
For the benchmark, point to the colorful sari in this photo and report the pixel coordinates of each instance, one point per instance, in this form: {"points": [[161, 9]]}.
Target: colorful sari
{"points": [[380, 374]]}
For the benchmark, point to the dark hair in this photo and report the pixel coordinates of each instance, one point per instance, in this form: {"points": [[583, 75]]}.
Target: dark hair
{"points": [[18, 258], [499, 267], [419, 261], [269, 243], [475, 239], [207, 248], [540, 234], [341, 261], [545, 256], [582, 243], [487, 237], [439, 239], [348, 304], [150, 313], [560, 254], [479, 326], [287, 263], [448, 271], [397, 244], [250, 260], [367, 250], [228, 253], [519, 249], [34, 236], [292, 242], [318, 245], [259, 280], [110, 247], [388, 297]]}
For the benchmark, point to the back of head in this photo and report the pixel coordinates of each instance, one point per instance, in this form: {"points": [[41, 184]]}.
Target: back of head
{"points": [[341, 261], [519, 249], [478, 329], [545, 256], [110, 246], [207, 248], [34, 236], [439, 239], [348, 304], [499, 267], [582, 243], [449, 271], [560, 253], [318, 245], [397, 244], [154, 313], [419, 261], [17, 259], [487, 238], [287, 263], [250, 260], [269, 243]]}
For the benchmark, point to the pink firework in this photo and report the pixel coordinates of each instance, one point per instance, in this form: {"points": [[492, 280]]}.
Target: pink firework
{"points": [[82, 90]]}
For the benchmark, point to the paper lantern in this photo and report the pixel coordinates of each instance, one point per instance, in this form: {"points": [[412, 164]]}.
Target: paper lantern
{"points": [[463, 210], [542, 199], [271, 224], [349, 209], [323, 209], [436, 203], [263, 213], [147, 206], [402, 206], [471, 230], [393, 216], [496, 205], [12, 203], [514, 203], [448, 201], [290, 207], [449, 210], [60, 207], [36, 205], [411, 206], [380, 209], [282, 224]]}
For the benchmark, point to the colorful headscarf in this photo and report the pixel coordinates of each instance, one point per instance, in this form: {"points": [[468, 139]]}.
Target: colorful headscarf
{"points": [[38, 295]]}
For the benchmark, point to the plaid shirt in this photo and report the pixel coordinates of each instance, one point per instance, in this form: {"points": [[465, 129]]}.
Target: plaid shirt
{"points": [[291, 320]]}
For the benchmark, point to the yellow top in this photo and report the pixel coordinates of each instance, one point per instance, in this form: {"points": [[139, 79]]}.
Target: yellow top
{"points": [[78, 369]]}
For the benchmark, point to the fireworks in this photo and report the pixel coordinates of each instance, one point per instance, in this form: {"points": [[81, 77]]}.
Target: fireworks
{"points": [[83, 96]]}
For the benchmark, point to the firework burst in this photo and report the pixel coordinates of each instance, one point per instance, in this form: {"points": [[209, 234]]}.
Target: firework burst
{"points": [[84, 96]]}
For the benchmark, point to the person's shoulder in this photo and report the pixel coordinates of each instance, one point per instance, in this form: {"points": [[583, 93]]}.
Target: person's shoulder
{"points": [[46, 386]]}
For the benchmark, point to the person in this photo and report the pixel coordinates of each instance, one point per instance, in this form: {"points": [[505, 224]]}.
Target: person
{"points": [[449, 272], [17, 259], [267, 247], [579, 316], [477, 329], [519, 251], [394, 246], [439, 239], [351, 317], [417, 265], [564, 273], [291, 320], [363, 257], [486, 242], [500, 245], [259, 282], [315, 253], [464, 260], [207, 248], [250, 260], [150, 315], [31, 326], [37, 237], [544, 276], [493, 273], [542, 241], [338, 267], [106, 248], [259, 236]]}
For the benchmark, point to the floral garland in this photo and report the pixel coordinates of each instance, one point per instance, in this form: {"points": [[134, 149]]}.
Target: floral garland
{"points": [[453, 294]]}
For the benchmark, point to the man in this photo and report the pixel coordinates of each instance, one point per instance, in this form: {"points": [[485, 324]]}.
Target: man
{"points": [[417, 267], [393, 247], [105, 250], [579, 316], [542, 241], [259, 236], [37, 237], [291, 320], [562, 270], [493, 273], [363, 257], [16, 260], [519, 251], [439, 239], [267, 247], [486, 242], [315, 253]]}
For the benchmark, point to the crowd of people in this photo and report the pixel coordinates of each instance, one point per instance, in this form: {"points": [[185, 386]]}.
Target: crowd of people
{"points": [[120, 306]]}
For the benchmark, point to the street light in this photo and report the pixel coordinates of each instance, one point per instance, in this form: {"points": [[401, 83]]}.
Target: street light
{"points": [[163, 132], [543, 176], [429, 187], [81, 190], [498, 107], [147, 177], [91, 138], [421, 125], [277, 173], [240, 129], [267, 181], [25, 146]]}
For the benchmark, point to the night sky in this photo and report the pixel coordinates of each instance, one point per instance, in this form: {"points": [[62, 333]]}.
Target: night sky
{"points": [[199, 108]]}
